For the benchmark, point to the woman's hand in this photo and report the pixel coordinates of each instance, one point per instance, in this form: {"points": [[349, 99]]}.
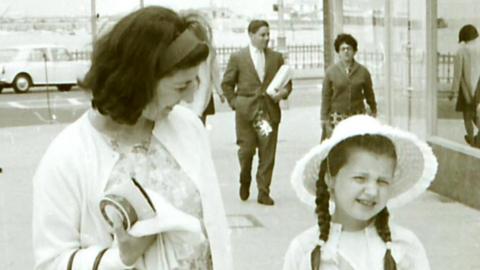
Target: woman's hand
{"points": [[131, 248]]}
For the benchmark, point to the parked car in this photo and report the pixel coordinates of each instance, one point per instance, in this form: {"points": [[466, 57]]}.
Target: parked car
{"points": [[35, 65]]}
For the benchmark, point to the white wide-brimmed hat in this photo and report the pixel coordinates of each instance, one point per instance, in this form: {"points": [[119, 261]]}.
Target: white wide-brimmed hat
{"points": [[414, 171]]}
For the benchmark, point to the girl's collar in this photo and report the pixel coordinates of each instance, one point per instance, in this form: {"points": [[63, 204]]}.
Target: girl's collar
{"points": [[338, 227]]}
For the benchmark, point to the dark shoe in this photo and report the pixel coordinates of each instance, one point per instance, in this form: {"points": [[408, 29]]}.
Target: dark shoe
{"points": [[476, 140], [467, 140], [244, 192], [265, 199]]}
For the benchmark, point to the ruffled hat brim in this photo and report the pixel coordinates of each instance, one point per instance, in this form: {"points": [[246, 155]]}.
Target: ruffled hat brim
{"points": [[415, 168]]}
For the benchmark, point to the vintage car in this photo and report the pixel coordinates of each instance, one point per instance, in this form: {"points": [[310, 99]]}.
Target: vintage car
{"points": [[38, 65]]}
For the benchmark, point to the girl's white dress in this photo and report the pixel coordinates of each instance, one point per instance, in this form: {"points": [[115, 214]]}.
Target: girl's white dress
{"points": [[360, 250]]}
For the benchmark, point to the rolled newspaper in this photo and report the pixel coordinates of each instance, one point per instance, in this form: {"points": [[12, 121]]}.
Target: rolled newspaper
{"points": [[126, 203], [283, 75]]}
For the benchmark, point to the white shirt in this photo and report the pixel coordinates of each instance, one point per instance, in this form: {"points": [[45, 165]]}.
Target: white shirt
{"points": [[362, 250], [258, 58]]}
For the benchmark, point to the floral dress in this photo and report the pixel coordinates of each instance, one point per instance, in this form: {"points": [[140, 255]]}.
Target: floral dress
{"points": [[152, 165]]}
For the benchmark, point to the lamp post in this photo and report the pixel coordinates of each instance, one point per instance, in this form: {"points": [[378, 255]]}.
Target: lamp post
{"points": [[93, 11], [409, 66], [328, 56], [281, 39]]}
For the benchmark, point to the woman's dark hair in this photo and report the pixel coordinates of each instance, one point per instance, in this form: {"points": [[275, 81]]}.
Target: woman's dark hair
{"points": [[127, 62], [337, 158], [467, 33], [345, 38], [254, 25]]}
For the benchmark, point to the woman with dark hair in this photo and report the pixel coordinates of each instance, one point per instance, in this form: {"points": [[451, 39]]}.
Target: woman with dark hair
{"points": [[465, 80], [347, 84], [131, 184]]}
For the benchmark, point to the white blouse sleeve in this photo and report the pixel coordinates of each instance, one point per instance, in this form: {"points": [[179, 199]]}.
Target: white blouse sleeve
{"points": [[410, 254], [293, 256], [418, 255]]}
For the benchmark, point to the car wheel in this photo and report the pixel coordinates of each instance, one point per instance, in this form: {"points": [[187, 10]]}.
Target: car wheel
{"points": [[64, 87], [22, 83]]}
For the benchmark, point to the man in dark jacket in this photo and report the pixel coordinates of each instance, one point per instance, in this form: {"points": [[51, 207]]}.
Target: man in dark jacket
{"points": [[248, 74]]}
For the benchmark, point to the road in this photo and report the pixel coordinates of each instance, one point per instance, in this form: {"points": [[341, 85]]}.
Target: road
{"points": [[44, 106], [41, 106]]}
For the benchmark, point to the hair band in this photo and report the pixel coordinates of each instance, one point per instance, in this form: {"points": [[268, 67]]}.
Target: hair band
{"points": [[389, 245], [180, 48]]}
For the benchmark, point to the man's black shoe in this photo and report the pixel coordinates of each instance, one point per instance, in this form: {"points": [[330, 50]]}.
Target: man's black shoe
{"points": [[265, 199], [244, 192]]}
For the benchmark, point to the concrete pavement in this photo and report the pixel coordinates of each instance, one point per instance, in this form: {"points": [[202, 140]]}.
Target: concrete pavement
{"points": [[449, 231]]}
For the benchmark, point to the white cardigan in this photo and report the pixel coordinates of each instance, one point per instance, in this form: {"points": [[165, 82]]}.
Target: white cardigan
{"points": [[70, 180]]}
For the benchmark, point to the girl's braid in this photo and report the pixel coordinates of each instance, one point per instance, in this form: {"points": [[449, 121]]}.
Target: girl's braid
{"points": [[383, 230], [323, 216]]}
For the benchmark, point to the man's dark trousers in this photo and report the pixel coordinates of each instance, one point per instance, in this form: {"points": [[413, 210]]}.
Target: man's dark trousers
{"points": [[248, 140]]}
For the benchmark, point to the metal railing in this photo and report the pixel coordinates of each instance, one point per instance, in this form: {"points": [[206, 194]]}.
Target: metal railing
{"points": [[445, 68], [81, 55], [311, 57]]}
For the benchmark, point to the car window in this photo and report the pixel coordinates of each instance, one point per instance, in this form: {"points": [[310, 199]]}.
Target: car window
{"points": [[37, 55], [7, 55], [61, 54]]}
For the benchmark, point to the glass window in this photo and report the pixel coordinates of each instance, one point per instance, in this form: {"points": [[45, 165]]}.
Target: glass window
{"points": [[455, 116], [60, 54], [408, 65], [7, 55], [365, 21], [37, 55]]}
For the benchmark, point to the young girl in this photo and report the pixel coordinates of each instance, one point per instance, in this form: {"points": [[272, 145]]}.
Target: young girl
{"points": [[352, 179]]}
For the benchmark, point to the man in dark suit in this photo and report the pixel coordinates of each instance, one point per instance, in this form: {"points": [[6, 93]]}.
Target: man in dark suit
{"points": [[248, 74]]}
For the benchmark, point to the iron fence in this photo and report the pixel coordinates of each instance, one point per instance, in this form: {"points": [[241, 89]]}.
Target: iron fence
{"points": [[81, 55], [311, 57], [445, 68]]}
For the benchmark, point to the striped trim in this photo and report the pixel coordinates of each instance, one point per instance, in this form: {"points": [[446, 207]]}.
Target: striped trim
{"points": [[98, 259], [70, 261]]}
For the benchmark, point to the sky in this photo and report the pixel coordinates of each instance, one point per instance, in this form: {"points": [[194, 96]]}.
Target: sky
{"points": [[28, 8]]}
